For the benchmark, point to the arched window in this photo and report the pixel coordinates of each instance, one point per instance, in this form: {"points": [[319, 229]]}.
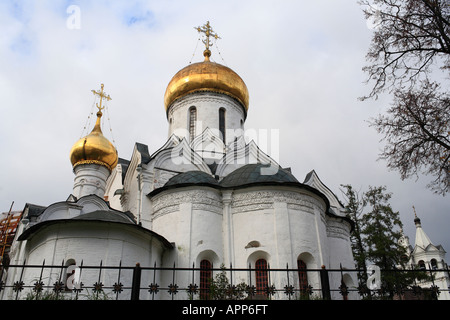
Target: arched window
{"points": [[192, 121], [302, 278], [422, 265], [262, 280], [205, 279], [434, 265], [222, 123], [170, 124]]}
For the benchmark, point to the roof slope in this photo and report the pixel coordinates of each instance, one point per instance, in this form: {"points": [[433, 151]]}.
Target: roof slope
{"points": [[256, 173]]}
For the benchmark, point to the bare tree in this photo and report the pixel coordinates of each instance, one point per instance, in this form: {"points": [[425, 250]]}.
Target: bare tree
{"points": [[410, 37], [410, 44], [417, 132]]}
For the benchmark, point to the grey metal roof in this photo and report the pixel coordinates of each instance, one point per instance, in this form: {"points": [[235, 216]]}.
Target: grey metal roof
{"points": [[143, 150], [34, 210], [254, 173], [31, 231], [192, 177], [103, 215], [124, 163]]}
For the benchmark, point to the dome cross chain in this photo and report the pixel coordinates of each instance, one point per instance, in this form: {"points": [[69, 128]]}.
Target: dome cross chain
{"points": [[102, 96], [209, 32]]}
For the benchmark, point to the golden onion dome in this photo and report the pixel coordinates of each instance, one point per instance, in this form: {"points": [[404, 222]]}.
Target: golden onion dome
{"points": [[206, 76], [94, 148]]}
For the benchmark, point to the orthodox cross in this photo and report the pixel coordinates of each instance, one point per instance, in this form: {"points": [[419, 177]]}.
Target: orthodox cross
{"points": [[102, 96], [208, 31]]}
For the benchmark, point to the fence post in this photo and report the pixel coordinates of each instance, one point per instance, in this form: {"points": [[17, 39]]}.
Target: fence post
{"points": [[136, 283], [325, 282]]}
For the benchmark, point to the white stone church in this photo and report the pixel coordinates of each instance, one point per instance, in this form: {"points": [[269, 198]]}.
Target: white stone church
{"points": [[207, 197]]}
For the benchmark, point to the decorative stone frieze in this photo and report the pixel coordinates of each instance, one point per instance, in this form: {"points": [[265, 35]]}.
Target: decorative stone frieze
{"points": [[336, 228], [200, 199], [257, 200]]}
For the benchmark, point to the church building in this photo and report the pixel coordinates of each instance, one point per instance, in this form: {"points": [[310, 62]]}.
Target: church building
{"points": [[428, 257], [206, 197]]}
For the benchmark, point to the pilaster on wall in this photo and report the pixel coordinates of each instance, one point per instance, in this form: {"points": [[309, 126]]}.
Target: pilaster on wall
{"points": [[283, 237], [227, 229], [145, 183]]}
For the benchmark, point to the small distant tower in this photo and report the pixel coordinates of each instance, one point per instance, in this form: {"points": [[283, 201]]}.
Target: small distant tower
{"points": [[428, 256], [93, 158], [404, 242]]}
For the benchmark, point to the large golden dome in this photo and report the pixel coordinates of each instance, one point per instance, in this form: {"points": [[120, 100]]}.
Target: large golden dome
{"points": [[94, 148], [206, 76]]}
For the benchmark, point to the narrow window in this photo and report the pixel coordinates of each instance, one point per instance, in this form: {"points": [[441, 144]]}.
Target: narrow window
{"points": [[422, 265], [222, 123], [434, 264], [261, 276], [302, 278], [192, 120], [205, 279]]}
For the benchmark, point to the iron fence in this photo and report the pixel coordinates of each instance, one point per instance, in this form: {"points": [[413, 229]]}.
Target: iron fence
{"points": [[38, 282]]}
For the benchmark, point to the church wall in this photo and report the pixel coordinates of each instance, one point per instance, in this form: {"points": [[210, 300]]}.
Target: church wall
{"points": [[131, 196], [114, 183], [192, 218], [208, 105], [282, 218], [282, 224], [304, 237], [90, 179], [340, 254], [441, 279], [92, 243]]}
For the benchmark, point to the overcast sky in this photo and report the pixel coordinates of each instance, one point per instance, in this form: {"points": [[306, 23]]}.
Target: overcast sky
{"points": [[301, 61]]}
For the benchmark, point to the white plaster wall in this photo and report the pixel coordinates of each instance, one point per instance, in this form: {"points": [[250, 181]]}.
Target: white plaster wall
{"points": [[284, 223], [132, 193], [208, 105], [192, 219], [340, 254], [92, 243], [90, 179], [257, 225], [114, 183], [304, 237]]}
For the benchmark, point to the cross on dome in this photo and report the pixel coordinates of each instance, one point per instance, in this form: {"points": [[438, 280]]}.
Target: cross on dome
{"points": [[102, 96], [208, 31]]}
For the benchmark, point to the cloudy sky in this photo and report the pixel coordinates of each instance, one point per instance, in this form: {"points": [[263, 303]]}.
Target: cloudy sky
{"points": [[301, 61]]}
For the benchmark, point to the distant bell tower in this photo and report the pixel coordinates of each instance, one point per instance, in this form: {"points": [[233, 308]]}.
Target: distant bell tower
{"points": [[426, 256]]}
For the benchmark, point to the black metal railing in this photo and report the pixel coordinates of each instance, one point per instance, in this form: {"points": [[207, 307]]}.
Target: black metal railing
{"points": [[136, 282]]}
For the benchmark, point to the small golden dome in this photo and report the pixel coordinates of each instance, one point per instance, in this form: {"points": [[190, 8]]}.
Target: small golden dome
{"points": [[94, 148], [206, 76]]}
